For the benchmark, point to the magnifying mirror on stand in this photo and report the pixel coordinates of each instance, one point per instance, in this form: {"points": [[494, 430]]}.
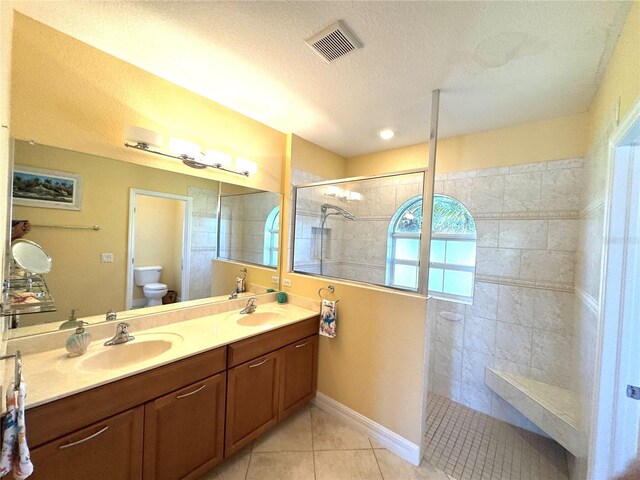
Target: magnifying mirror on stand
{"points": [[30, 257]]}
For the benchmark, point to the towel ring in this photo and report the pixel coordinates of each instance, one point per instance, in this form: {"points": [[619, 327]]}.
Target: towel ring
{"points": [[330, 289], [18, 368]]}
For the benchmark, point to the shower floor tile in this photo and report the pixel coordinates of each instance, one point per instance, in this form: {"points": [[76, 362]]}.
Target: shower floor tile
{"points": [[470, 445]]}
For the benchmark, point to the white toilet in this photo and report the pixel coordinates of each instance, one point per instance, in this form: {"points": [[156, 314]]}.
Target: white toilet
{"points": [[149, 278]]}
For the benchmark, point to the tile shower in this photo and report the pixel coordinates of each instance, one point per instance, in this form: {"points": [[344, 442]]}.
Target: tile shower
{"points": [[522, 318]]}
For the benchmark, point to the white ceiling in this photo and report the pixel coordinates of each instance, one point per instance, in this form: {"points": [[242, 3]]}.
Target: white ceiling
{"points": [[496, 63]]}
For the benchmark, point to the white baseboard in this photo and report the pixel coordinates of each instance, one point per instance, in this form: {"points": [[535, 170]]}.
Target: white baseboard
{"points": [[393, 442]]}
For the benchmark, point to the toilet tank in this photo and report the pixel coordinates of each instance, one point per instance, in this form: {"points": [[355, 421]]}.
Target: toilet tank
{"points": [[145, 275]]}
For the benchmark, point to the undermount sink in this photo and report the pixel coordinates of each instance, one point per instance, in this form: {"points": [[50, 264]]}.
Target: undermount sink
{"points": [[256, 319], [142, 348]]}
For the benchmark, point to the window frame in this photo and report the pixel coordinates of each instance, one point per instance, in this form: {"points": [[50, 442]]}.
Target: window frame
{"points": [[392, 261], [271, 231]]}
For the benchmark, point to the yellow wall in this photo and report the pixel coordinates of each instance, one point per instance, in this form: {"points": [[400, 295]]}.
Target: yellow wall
{"points": [[158, 239], [375, 364], [224, 273], [621, 82], [70, 95], [552, 139], [312, 158], [78, 279]]}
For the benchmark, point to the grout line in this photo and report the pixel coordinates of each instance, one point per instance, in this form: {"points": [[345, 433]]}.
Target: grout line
{"points": [[377, 462], [313, 447]]}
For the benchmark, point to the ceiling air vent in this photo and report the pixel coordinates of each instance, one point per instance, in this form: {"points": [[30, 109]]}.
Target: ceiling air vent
{"points": [[334, 41]]}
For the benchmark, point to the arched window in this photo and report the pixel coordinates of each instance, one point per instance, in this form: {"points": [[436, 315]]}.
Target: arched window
{"points": [[271, 235], [403, 245], [453, 249], [452, 267]]}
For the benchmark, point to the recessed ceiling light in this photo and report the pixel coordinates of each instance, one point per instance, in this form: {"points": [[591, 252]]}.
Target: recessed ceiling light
{"points": [[386, 134]]}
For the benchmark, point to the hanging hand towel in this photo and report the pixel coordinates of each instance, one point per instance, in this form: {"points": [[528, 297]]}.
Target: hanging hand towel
{"points": [[9, 433], [328, 317], [22, 466]]}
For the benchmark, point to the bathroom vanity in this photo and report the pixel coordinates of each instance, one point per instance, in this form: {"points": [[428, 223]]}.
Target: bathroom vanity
{"points": [[182, 418]]}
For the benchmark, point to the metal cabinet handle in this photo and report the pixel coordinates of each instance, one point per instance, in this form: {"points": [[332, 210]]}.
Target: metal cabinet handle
{"points": [[68, 445], [301, 345], [258, 364], [191, 393]]}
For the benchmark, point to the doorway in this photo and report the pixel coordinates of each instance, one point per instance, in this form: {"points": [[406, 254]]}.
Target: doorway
{"points": [[159, 234], [616, 443]]}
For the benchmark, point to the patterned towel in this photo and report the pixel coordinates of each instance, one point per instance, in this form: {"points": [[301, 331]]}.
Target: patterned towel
{"points": [[15, 452], [328, 316]]}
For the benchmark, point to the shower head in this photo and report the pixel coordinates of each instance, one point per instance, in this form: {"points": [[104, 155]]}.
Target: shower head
{"points": [[341, 211]]}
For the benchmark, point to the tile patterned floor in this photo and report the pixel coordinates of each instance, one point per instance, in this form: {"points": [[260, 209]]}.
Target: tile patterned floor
{"points": [[470, 445], [312, 445]]}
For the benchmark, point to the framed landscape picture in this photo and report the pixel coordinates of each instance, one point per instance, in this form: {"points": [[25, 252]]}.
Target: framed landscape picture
{"points": [[37, 187]]}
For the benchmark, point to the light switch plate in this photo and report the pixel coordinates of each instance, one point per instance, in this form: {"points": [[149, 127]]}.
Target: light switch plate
{"points": [[106, 258], [275, 280], [286, 282]]}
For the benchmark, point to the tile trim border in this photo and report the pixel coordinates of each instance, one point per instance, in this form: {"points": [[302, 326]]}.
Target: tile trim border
{"points": [[558, 215], [588, 300], [393, 442], [518, 282]]}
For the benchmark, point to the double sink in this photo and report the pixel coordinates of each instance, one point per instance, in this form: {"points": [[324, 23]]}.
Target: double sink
{"points": [[147, 346]]}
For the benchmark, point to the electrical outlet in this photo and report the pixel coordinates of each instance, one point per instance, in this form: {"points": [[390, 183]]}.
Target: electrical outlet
{"points": [[275, 280], [286, 282], [106, 258]]}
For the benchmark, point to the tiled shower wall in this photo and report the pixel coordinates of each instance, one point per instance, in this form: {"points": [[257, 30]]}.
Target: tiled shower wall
{"points": [[354, 250], [204, 232], [588, 272], [245, 217], [522, 319]]}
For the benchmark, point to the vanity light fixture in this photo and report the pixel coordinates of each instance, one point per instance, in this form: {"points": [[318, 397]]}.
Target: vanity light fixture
{"points": [[386, 134], [187, 152], [342, 194]]}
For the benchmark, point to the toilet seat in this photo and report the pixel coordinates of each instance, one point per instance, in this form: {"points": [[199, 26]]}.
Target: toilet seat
{"points": [[155, 287]]}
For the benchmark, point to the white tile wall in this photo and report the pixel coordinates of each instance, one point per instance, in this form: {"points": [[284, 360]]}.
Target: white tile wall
{"points": [[523, 317]]}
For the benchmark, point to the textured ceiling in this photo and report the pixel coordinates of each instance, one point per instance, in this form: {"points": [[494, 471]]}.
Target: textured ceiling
{"points": [[496, 63]]}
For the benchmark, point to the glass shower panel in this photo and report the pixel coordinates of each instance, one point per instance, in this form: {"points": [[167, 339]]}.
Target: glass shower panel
{"points": [[365, 230]]}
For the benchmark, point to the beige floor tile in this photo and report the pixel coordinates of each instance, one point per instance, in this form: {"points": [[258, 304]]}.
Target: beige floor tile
{"points": [[234, 468], [395, 468], [329, 433], [281, 466], [346, 465], [375, 444], [292, 435]]}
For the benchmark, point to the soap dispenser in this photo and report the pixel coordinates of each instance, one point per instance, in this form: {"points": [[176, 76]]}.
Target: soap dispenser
{"points": [[71, 322], [78, 342]]}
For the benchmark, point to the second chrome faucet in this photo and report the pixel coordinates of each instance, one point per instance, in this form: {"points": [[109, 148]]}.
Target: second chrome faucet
{"points": [[121, 336], [250, 307]]}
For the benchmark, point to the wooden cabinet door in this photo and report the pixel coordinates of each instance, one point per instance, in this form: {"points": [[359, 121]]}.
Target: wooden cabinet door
{"points": [[184, 431], [298, 375], [107, 450], [252, 400]]}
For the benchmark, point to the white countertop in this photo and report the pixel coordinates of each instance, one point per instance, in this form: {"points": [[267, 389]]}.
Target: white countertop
{"points": [[52, 374]]}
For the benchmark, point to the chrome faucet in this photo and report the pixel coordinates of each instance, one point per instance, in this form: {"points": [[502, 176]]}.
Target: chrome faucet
{"points": [[121, 336], [233, 295], [111, 315], [251, 306]]}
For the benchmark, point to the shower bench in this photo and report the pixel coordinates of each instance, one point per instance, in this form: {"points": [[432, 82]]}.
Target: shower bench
{"points": [[553, 409]]}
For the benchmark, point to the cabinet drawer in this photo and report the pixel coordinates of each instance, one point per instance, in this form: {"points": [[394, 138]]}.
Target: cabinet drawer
{"points": [[108, 450], [77, 411], [253, 347]]}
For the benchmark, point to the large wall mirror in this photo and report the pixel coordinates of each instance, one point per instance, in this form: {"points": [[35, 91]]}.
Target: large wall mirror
{"points": [[124, 236]]}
